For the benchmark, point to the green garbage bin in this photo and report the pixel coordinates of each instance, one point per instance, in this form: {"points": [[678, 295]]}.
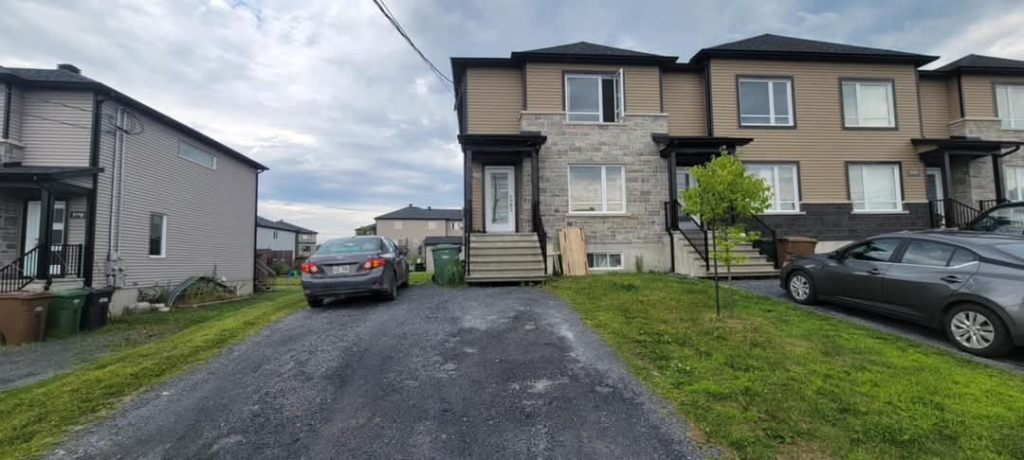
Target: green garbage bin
{"points": [[65, 312], [446, 263]]}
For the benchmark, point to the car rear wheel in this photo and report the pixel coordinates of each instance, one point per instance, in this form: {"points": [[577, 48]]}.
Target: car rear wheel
{"points": [[800, 287], [392, 285], [315, 302], [977, 330]]}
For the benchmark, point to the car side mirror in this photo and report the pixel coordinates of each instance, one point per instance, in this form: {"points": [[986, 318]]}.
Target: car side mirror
{"points": [[835, 255]]}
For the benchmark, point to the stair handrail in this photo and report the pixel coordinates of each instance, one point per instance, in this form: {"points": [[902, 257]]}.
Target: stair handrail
{"points": [[767, 239], [542, 234], [15, 275], [701, 249], [955, 213]]}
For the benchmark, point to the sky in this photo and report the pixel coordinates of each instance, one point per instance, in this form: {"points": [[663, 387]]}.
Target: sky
{"points": [[353, 125]]}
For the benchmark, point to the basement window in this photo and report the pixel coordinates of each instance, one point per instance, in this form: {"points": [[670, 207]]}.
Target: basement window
{"points": [[604, 260], [596, 98]]}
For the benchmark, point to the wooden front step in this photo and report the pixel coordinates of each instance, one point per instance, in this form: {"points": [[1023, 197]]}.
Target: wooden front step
{"points": [[503, 258]]}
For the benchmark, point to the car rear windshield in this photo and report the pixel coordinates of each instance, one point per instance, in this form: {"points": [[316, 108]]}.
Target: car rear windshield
{"points": [[1014, 249], [350, 246]]}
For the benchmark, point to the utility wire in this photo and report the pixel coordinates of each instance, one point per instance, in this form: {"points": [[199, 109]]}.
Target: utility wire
{"points": [[57, 121], [27, 96], [446, 82]]}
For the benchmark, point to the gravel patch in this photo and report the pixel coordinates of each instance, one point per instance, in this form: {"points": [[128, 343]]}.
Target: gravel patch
{"points": [[507, 372], [30, 363], [770, 288]]}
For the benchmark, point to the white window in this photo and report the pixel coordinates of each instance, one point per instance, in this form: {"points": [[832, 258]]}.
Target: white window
{"points": [[766, 101], [868, 104], [1010, 105], [782, 178], [597, 189], [604, 260], [157, 235], [875, 187], [398, 225], [456, 225], [275, 234], [1015, 183], [594, 97], [195, 155], [431, 225]]}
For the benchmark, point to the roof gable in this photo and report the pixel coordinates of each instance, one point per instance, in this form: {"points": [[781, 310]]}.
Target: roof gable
{"points": [[587, 49], [768, 46], [587, 52]]}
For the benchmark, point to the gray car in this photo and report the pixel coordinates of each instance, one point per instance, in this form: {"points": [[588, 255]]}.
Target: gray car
{"points": [[359, 265], [968, 284]]}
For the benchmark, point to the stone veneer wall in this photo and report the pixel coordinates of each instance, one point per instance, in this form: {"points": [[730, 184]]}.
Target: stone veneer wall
{"points": [[640, 231], [837, 222], [975, 182], [10, 229]]}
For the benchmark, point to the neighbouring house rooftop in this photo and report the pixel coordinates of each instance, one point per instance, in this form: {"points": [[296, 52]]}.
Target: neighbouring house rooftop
{"points": [[979, 63], [434, 240], [416, 213], [587, 49], [281, 225], [770, 46], [67, 76]]}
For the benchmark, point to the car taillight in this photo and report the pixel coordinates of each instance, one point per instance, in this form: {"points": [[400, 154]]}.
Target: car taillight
{"points": [[310, 268], [375, 262]]}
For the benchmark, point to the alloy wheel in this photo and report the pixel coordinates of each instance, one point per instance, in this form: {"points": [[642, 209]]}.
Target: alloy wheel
{"points": [[799, 287], [972, 329]]}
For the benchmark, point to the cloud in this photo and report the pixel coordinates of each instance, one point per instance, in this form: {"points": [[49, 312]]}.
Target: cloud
{"points": [[350, 120]]}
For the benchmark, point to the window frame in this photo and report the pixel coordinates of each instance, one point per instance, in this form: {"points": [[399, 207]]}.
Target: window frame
{"points": [[604, 187], [898, 176], [431, 225], [606, 253], [181, 153], [1015, 124], [1017, 174], [897, 252], [163, 236], [891, 94], [398, 225], [771, 80], [619, 77], [798, 198]]}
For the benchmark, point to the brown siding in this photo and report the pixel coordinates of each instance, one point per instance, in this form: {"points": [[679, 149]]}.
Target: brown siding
{"points": [[684, 103], [953, 99], [494, 99], [819, 143], [544, 83], [980, 96], [934, 107]]}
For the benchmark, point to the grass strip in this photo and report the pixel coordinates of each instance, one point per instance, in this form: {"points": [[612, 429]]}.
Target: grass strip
{"points": [[771, 380], [38, 416]]}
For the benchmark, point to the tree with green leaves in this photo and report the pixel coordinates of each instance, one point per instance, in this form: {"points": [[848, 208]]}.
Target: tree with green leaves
{"points": [[725, 195]]}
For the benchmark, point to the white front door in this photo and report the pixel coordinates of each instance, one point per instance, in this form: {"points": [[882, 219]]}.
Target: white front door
{"points": [[32, 231], [685, 180], [499, 199]]}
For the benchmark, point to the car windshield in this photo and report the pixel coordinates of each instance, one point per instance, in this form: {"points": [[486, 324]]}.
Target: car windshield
{"points": [[1003, 220], [350, 246], [1014, 249]]}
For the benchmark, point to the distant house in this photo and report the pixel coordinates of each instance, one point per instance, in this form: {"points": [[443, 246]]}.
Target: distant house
{"points": [[99, 189], [367, 230], [280, 237], [410, 225]]}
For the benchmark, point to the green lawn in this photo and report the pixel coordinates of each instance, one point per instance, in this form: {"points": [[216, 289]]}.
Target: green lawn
{"points": [[770, 380], [37, 416], [418, 278]]}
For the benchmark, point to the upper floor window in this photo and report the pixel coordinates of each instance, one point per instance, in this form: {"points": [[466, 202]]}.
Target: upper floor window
{"points": [[868, 104], [1010, 105], [398, 225], [597, 189], [766, 101], [431, 225], [875, 187], [193, 154], [1015, 183], [594, 97], [782, 178]]}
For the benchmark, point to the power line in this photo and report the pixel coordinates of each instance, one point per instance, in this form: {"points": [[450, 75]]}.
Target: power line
{"points": [[24, 95], [58, 121], [446, 82]]}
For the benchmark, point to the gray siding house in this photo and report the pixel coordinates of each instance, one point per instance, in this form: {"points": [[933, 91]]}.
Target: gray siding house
{"points": [[132, 197], [285, 236]]}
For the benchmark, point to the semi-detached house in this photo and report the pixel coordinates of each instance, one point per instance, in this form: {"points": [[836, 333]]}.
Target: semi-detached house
{"points": [[128, 196], [853, 141]]}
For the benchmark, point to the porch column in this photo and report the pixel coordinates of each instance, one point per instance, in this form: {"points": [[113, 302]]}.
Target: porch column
{"points": [[673, 193], [45, 233], [534, 187], [997, 179], [947, 182]]}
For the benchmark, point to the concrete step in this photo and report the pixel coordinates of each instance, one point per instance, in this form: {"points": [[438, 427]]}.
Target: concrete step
{"points": [[533, 251], [482, 237], [505, 258], [502, 245], [507, 277], [477, 267]]}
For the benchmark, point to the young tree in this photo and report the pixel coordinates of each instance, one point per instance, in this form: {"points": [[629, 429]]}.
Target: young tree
{"points": [[724, 197]]}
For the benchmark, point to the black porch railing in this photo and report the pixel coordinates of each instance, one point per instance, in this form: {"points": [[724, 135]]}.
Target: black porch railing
{"points": [[985, 205], [766, 242], [66, 261], [950, 213], [698, 235], [542, 234], [18, 274]]}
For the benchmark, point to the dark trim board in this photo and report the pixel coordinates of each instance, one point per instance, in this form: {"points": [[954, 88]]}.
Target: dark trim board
{"points": [[837, 222]]}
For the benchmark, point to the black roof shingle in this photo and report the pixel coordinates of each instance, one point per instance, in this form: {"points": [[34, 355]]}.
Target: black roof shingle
{"points": [[779, 46], [281, 225], [588, 49], [416, 213], [979, 62]]}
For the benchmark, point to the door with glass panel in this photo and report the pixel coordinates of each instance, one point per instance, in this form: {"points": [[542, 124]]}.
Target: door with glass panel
{"points": [[32, 233], [684, 181], [934, 192], [499, 199], [1015, 183]]}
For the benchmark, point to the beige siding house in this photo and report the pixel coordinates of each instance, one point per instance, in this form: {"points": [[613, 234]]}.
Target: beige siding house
{"points": [[853, 141], [133, 198], [411, 225]]}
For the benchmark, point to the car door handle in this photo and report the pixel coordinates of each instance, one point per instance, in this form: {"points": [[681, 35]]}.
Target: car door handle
{"points": [[874, 271], [952, 279]]}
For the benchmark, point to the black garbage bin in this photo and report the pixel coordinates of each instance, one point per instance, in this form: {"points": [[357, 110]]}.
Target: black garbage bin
{"points": [[97, 308]]}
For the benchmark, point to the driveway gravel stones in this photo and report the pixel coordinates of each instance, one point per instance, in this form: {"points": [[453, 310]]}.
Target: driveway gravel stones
{"points": [[507, 372]]}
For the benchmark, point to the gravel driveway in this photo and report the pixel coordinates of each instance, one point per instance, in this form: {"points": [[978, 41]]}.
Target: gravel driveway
{"points": [[506, 372], [770, 288]]}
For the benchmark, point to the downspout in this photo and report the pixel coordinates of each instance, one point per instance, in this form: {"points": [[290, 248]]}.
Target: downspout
{"points": [[960, 90], [255, 229], [120, 180], [708, 114], [89, 258], [7, 111], [113, 185]]}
